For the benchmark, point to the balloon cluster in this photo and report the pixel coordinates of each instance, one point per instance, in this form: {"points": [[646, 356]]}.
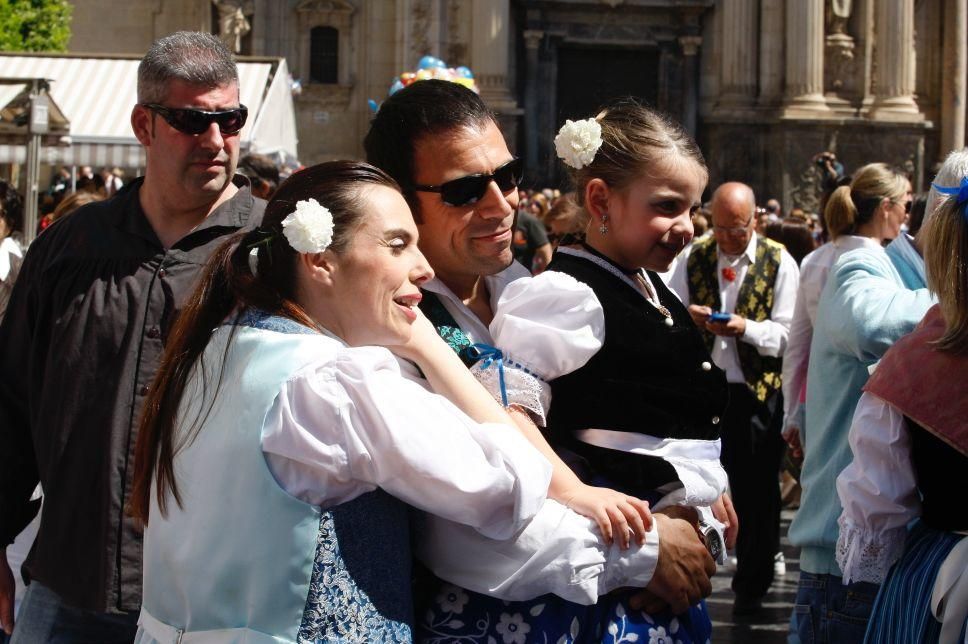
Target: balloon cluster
{"points": [[430, 67], [433, 67]]}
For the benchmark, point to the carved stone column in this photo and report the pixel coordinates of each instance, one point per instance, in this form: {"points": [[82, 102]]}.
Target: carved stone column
{"points": [[771, 52], [894, 88], [489, 53], [690, 72], [804, 59], [738, 63], [953, 94], [532, 41]]}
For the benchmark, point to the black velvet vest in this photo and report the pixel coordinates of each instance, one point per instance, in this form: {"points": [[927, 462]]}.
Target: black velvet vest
{"points": [[942, 479], [647, 378]]}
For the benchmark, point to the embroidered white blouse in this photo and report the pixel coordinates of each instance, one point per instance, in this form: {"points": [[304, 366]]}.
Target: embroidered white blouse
{"points": [[352, 422], [813, 275], [878, 492]]}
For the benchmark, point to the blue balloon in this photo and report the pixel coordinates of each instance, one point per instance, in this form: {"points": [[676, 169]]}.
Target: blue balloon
{"points": [[464, 72], [430, 62], [374, 106], [396, 87]]}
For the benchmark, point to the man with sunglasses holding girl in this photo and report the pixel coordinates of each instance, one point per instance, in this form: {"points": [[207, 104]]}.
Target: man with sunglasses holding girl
{"points": [[443, 146], [83, 336]]}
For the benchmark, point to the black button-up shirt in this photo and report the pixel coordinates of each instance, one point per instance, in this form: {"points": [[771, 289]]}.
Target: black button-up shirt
{"points": [[81, 341]]}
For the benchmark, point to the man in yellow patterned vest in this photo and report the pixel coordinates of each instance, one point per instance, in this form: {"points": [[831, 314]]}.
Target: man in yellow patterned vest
{"points": [[752, 283]]}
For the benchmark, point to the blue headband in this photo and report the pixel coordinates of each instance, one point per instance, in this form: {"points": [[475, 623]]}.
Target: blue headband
{"points": [[961, 191]]}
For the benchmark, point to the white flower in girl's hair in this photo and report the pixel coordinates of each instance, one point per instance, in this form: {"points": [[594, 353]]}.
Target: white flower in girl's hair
{"points": [[578, 141], [309, 229]]}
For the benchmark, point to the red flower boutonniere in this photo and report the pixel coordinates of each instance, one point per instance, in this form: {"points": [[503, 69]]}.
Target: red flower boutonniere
{"points": [[729, 274]]}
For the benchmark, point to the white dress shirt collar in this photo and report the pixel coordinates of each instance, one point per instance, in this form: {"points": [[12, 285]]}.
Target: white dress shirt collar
{"points": [[749, 252], [469, 323]]}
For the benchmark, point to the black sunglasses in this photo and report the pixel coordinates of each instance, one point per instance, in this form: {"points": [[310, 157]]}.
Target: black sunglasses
{"points": [[191, 121], [470, 189]]}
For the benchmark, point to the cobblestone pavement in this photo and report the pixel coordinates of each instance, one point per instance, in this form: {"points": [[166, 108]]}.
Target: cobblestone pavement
{"points": [[772, 627]]}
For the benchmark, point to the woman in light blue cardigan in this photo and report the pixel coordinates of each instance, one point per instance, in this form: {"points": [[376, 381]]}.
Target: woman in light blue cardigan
{"points": [[864, 308]]}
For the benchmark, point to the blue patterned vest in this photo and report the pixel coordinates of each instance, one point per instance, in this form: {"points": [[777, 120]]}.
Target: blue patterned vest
{"points": [[242, 560]]}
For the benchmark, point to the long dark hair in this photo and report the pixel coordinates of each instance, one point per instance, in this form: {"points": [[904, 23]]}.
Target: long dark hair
{"points": [[228, 285]]}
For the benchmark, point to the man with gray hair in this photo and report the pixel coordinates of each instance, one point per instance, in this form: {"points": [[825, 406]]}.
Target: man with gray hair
{"points": [[906, 251], [83, 336]]}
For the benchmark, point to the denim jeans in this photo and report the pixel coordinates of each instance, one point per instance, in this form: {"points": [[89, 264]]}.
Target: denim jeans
{"points": [[45, 617], [828, 612]]}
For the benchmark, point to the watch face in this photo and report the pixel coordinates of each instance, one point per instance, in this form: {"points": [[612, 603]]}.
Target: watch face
{"points": [[714, 543]]}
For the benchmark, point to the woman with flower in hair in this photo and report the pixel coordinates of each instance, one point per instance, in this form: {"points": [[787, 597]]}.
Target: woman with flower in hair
{"points": [[630, 393], [281, 442], [904, 517]]}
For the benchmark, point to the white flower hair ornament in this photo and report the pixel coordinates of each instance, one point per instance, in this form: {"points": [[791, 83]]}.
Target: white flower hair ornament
{"points": [[309, 228], [578, 142]]}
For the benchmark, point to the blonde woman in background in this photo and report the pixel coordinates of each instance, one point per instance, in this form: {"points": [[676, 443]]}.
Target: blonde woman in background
{"points": [[862, 214]]}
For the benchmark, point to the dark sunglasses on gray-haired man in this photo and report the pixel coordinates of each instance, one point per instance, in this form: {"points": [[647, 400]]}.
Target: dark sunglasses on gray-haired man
{"points": [[192, 121]]}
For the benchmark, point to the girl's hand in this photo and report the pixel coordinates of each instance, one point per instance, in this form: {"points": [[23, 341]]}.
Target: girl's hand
{"points": [[424, 340], [723, 511], [615, 513]]}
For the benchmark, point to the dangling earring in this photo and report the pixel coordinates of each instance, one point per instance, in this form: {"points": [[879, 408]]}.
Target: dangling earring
{"points": [[603, 229]]}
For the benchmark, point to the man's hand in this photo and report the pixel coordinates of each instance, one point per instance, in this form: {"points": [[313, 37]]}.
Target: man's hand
{"points": [[699, 314], [7, 589], [682, 573], [792, 436], [735, 328]]}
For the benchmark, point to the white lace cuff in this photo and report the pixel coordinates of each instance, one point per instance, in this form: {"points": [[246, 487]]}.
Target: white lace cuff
{"points": [[522, 389], [864, 555]]}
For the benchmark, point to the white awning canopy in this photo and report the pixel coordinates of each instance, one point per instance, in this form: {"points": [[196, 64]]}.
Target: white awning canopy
{"points": [[96, 94]]}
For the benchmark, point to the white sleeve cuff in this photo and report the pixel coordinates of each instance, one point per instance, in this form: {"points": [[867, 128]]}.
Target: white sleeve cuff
{"points": [[522, 389], [864, 555], [633, 567], [755, 332], [558, 552]]}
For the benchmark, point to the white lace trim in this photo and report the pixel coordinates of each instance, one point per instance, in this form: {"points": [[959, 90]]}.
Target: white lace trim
{"points": [[866, 555], [523, 389]]}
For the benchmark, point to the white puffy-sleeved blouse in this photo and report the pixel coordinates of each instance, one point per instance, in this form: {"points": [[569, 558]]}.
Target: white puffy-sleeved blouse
{"points": [[546, 326], [351, 422], [878, 492], [552, 324]]}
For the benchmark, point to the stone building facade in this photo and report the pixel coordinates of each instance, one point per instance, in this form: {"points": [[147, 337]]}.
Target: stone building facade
{"points": [[763, 84]]}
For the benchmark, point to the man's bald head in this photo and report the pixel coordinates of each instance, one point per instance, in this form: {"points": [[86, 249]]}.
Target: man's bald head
{"points": [[733, 208]]}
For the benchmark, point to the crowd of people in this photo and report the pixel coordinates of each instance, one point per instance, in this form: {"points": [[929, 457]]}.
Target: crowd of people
{"points": [[407, 399]]}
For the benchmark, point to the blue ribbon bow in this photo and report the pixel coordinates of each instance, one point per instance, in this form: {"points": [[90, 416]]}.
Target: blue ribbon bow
{"points": [[961, 191], [488, 356]]}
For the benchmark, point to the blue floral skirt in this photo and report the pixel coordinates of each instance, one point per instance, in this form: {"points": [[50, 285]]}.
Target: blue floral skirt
{"points": [[456, 615]]}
